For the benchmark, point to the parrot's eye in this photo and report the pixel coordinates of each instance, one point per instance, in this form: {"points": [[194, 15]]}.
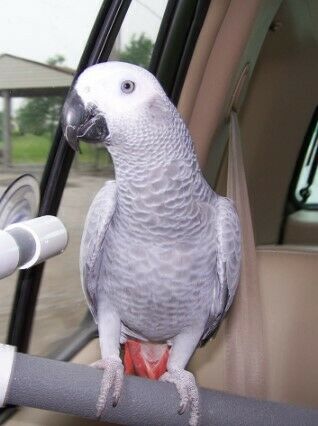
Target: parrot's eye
{"points": [[127, 86]]}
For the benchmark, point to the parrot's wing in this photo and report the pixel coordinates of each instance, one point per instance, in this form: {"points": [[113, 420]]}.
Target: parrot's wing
{"points": [[95, 228], [228, 264]]}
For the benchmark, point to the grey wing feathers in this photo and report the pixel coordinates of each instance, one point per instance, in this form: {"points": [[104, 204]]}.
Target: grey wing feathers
{"points": [[96, 224], [228, 263]]}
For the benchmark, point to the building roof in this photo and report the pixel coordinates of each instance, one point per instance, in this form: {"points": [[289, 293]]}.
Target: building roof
{"points": [[24, 77]]}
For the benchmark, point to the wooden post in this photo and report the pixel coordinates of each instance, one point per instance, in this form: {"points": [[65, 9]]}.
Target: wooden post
{"points": [[6, 132]]}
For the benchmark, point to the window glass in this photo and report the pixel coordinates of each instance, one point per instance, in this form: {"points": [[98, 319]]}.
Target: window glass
{"points": [[306, 191], [41, 42], [61, 304]]}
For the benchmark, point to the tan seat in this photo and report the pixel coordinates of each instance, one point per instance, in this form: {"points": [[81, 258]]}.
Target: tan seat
{"points": [[289, 289]]}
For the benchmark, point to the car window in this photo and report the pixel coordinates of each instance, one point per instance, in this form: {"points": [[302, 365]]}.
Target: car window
{"points": [[41, 43], [306, 189], [61, 306]]}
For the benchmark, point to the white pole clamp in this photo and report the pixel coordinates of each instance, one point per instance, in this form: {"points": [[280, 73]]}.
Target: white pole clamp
{"points": [[9, 252], [48, 234], [7, 356]]}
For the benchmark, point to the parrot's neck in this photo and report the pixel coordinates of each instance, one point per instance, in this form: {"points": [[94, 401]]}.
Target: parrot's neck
{"points": [[147, 146], [148, 159], [158, 191]]}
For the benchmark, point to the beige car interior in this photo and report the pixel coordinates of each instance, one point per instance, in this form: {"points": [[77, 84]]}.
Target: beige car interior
{"points": [[260, 59]]}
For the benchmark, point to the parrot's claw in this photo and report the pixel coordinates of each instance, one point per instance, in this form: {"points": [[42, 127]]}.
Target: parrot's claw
{"points": [[187, 389], [113, 376]]}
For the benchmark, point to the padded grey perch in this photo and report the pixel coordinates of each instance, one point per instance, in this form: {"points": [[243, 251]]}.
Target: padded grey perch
{"points": [[73, 389]]}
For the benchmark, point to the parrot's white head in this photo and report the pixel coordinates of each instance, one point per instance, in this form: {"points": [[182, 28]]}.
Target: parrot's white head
{"points": [[118, 104]]}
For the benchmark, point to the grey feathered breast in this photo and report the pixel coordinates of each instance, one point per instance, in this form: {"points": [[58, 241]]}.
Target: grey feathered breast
{"points": [[162, 271]]}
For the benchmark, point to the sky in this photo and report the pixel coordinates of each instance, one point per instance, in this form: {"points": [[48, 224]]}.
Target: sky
{"points": [[40, 29]]}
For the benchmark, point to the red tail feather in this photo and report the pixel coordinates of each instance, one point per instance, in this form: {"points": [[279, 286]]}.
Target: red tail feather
{"points": [[146, 359]]}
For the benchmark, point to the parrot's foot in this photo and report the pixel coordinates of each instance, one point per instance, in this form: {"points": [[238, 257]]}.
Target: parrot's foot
{"points": [[113, 377], [187, 389]]}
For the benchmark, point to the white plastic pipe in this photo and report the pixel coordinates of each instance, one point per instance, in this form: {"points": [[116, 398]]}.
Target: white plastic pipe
{"points": [[38, 239], [9, 254], [7, 356]]}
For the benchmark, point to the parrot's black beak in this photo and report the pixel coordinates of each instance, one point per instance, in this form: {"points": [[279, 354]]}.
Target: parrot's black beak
{"points": [[82, 122]]}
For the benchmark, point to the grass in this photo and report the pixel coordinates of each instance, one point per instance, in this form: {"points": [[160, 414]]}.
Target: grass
{"points": [[33, 149], [30, 149], [88, 155]]}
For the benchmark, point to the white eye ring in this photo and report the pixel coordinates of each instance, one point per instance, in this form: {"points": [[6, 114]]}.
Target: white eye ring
{"points": [[127, 86]]}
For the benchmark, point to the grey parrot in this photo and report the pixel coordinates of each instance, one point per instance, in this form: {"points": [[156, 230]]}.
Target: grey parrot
{"points": [[161, 251]]}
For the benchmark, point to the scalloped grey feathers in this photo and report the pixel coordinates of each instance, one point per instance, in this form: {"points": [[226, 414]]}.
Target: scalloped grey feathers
{"points": [[154, 286], [159, 245], [91, 251]]}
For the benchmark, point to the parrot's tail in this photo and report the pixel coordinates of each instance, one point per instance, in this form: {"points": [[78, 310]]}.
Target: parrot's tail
{"points": [[146, 359]]}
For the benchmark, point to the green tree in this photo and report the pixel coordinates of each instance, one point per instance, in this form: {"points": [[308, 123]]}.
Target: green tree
{"points": [[137, 51], [40, 114]]}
